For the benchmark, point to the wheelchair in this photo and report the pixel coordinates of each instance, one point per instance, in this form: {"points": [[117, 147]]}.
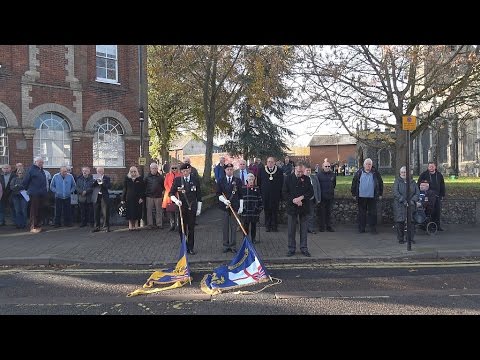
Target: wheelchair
{"points": [[423, 220]]}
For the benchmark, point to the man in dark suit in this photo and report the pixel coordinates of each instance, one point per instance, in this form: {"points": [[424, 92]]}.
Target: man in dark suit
{"points": [[297, 192], [229, 192], [242, 172], [101, 200], [270, 180], [186, 193]]}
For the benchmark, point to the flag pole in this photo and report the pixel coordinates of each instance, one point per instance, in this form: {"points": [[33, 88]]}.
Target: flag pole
{"points": [[183, 231], [181, 218], [236, 217]]}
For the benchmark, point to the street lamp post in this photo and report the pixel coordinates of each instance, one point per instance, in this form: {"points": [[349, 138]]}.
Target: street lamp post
{"points": [[141, 119], [140, 98]]}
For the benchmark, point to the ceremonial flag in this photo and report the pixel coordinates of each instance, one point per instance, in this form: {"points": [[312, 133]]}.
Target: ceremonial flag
{"points": [[178, 276], [245, 269]]}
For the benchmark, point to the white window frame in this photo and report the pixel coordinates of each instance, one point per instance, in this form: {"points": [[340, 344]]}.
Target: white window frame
{"points": [[108, 125], [45, 139], [4, 158], [107, 53], [389, 158]]}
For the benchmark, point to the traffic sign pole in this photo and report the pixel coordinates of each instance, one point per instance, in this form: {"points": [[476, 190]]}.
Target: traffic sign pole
{"points": [[408, 123]]}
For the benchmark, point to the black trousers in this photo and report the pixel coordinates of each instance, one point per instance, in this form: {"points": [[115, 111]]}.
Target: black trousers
{"points": [[271, 216], [367, 212], [437, 210], [63, 208], [400, 226], [325, 213], [86, 213], [189, 226], [252, 230]]}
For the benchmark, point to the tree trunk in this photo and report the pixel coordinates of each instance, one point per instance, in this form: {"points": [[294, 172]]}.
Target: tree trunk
{"points": [[207, 171], [164, 153], [400, 148], [454, 146]]}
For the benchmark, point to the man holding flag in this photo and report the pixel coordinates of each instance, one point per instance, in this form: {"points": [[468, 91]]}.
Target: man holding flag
{"points": [[186, 192], [229, 192]]}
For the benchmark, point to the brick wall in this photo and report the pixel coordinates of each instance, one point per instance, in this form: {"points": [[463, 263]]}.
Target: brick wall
{"points": [[42, 72], [319, 153]]}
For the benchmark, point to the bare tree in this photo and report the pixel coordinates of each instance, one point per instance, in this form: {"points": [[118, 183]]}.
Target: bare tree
{"points": [[377, 85]]}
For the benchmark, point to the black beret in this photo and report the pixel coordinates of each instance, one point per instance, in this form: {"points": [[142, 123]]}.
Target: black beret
{"points": [[228, 165], [185, 166]]}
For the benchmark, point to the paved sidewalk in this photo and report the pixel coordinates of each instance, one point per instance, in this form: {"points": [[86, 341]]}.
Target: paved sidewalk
{"points": [[157, 247]]}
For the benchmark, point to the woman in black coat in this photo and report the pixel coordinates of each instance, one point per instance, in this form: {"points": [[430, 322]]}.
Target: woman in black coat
{"points": [[133, 196]]}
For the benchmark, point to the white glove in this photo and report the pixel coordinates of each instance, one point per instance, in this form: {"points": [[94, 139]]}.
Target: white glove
{"points": [[175, 200], [199, 208], [224, 200], [240, 209]]}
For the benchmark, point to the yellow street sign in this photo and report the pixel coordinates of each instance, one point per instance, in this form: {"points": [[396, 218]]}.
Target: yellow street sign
{"points": [[142, 161], [409, 122]]}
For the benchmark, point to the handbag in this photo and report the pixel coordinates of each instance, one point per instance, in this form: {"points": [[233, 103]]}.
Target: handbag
{"points": [[122, 210], [171, 207]]}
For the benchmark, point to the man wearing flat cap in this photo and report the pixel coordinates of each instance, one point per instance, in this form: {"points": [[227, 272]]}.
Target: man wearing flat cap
{"points": [[229, 192], [185, 192]]}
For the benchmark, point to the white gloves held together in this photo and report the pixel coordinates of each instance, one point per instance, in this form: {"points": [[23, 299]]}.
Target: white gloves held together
{"points": [[224, 200]]}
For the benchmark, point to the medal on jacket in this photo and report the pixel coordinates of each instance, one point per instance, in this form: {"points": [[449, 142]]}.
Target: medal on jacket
{"points": [[271, 172]]}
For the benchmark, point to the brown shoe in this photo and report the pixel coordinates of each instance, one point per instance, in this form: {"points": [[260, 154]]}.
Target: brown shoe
{"points": [[35, 230]]}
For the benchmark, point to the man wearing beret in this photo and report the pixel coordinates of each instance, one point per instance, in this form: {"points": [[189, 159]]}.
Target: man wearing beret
{"points": [[185, 192], [229, 192]]}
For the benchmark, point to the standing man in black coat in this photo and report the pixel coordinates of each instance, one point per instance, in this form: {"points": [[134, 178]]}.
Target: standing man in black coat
{"points": [[328, 182], [270, 180], [186, 192], [297, 191], [437, 185]]}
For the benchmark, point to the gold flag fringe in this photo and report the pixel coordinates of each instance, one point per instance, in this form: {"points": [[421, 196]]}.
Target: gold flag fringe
{"points": [[144, 291]]}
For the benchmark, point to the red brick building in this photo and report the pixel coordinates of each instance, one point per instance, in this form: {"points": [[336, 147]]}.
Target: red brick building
{"points": [[337, 148], [73, 105]]}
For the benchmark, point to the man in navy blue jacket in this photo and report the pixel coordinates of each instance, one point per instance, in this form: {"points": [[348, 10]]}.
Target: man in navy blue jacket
{"points": [[35, 182]]}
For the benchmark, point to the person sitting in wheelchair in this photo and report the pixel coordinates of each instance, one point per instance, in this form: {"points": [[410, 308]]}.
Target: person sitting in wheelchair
{"points": [[425, 205]]}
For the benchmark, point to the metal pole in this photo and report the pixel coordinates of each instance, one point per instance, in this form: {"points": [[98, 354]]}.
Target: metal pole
{"points": [[141, 102], [140, 97], [409, 222]]}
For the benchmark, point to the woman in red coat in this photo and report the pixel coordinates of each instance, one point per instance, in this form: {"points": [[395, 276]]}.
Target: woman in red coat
{"points": [[171, 208]]}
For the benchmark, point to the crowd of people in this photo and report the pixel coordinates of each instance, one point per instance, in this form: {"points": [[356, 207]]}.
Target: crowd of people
{"points": [[174, 188]]}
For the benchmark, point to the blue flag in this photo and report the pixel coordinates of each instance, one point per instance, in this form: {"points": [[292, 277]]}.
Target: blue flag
{"points": [[178, 276], [245, 269]]}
